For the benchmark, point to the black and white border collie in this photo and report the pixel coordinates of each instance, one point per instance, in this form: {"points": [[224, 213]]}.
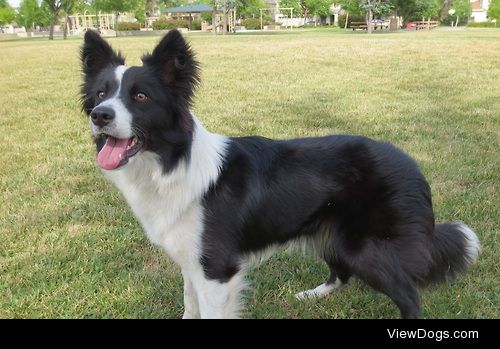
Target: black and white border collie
{"points": [[218, 204]]}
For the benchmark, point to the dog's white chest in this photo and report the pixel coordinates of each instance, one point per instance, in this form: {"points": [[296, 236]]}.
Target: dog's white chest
{"points": [[171, 218], [168, 205]]}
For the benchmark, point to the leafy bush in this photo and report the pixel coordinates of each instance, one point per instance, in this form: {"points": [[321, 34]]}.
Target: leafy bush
{"points": [[126, 26], [449, 20], [251, 23], [342, 19], [254, 23], [196, 25], [206, 16], [482, 25], [162, 24]]}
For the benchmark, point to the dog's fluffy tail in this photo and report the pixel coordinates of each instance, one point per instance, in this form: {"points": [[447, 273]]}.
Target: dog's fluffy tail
{"points": [[455, 248]]}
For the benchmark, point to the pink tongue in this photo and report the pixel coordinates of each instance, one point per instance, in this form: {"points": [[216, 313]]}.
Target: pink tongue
{"points": [[113, 152]]}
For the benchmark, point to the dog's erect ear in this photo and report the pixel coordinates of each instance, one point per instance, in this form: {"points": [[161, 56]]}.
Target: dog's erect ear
{"points": [[174, 60], [96, 54]]}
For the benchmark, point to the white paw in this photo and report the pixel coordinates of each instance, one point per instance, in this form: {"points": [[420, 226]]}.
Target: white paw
{"points": [[318, 292], [304, 295]]}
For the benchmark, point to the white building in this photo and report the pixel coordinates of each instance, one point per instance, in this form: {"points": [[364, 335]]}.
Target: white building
{"points": [[479, 10], [282, 15]]}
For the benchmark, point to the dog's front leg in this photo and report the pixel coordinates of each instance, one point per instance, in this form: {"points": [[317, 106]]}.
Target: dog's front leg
{"points": [[191, 305], [218, 299]]}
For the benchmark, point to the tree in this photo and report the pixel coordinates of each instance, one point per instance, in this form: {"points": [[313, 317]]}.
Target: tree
{"points": [[68, 7], [214, 15], [319, 8], [55, 7], [445, 6], [249, 8], [462, 9], [295, 4], [417, 9], [375, 7], [173, 3], [126, 5], [494, 9], [350, 7], [7, 13], [58, 7], [301, 7], [31, 14], [305, 6], [117, 6], [427, 8]]}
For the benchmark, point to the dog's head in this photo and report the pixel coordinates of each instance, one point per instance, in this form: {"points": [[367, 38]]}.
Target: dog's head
{"points": [[134, 109]]}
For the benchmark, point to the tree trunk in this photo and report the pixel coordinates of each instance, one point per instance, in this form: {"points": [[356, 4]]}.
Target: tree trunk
{"points": [[346, 20], [65, 27], [53, 21], [214, 17], [369, 21], [224, 18], [115, 25]]}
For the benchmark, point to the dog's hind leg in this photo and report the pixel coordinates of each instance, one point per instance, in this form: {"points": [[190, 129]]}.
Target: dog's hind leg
{"points": [[339, 275], [397, 286]]}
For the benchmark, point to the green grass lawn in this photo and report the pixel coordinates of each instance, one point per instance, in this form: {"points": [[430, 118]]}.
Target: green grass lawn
{"points": [[69, 247]]}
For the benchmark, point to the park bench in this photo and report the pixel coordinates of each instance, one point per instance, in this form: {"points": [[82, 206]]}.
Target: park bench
{"points": [[376, 24], [358, 25]]}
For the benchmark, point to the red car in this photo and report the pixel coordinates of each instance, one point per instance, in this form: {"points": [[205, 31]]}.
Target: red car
{"points": [[411, 26]]}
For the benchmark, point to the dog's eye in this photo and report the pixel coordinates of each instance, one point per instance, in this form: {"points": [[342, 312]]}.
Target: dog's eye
{"points": [[101, 94], [140, 97]]}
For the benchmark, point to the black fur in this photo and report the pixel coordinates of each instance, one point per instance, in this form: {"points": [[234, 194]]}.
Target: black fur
{"points": [[368, 197], [163, 123], [96, 56]]}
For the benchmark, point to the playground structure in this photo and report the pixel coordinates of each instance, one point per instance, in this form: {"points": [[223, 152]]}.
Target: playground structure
{"points": [[222, 23], [283, 18], [103, 22], [219, 22]]}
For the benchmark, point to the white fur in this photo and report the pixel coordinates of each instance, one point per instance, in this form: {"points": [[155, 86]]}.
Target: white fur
{"points": [[472, 244], [121, 127], [320, 291], [191, 304], [170, 211], [256, 258], [316, 245], [220, 300]]}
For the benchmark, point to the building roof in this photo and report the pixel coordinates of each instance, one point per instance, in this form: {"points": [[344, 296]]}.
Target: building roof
{"points": [[194, 8]]}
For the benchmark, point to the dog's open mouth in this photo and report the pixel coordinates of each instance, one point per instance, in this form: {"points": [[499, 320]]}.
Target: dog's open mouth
{"points": [[116, 152]]}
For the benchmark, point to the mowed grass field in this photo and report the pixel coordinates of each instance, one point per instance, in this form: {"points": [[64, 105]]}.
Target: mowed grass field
{"points": [[69, 246]]}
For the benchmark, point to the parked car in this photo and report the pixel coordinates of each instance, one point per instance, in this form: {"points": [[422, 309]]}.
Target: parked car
{"points": [[411, 26]]}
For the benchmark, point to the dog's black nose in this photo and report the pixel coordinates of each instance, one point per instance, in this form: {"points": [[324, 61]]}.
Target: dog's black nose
{"points": [[102, 116]]}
